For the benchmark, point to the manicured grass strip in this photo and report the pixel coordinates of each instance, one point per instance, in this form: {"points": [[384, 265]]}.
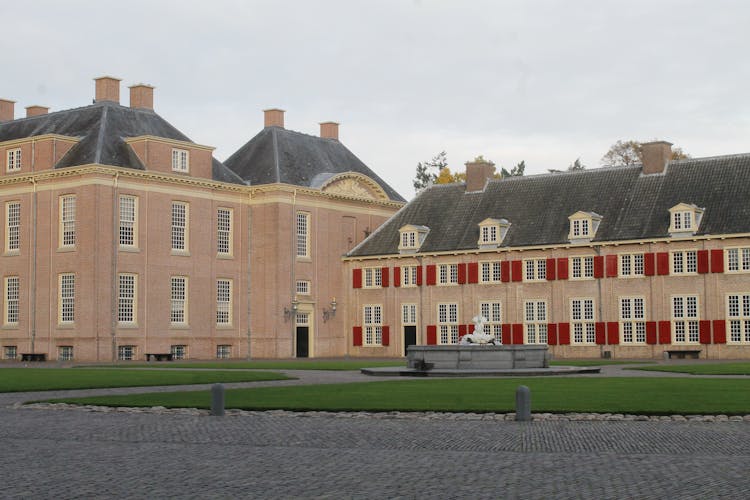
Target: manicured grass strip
{"points": [[595, 362], [656, 396], [49, 379], [265, 365], [740, 368]]}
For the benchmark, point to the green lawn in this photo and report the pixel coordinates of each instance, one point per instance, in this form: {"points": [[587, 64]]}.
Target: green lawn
{"points": [[603, 395], [739, 368], [48, 379], [263, 365]]}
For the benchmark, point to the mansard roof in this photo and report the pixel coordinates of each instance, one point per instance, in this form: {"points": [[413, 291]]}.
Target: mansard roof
{"points": [[101, 129], [633, 206], [276, 155]]}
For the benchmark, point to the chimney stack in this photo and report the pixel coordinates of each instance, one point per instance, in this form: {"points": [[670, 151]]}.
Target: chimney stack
{"points": [[329, 130], [36, 111], [7, 110], [273, 117], [107, 89], [141, 96], [656, 156], [478, 172]]}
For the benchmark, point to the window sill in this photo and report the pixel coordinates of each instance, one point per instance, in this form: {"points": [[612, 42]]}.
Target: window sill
{"points": [[66, 249], [66, 326], [179, 327], [225, 256], [129, 249], [12, 253], [225, 327], [127, 326], [10, 326], [180, 253], [303, 259]]}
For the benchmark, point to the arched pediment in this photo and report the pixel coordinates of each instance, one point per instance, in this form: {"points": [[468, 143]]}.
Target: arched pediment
{"points": [[355, 185]]}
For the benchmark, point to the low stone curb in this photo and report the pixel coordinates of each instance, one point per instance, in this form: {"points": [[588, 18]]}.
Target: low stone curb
{"points": [[397, 415]]}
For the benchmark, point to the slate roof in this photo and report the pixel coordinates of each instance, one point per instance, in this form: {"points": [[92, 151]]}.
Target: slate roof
{"points": [[280, 155], [101, 128], [632, 206]]}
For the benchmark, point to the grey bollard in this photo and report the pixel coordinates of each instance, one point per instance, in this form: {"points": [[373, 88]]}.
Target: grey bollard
{"points": [[217, 400], [523, 404]]}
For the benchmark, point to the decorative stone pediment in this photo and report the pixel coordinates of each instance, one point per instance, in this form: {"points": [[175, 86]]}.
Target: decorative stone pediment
{"points": [[355, 185]]}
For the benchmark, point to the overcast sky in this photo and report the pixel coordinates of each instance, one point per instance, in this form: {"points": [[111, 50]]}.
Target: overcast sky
{"points": [[541, 81]]}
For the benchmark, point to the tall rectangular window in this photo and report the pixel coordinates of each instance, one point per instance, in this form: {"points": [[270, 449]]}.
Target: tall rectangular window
{"points": [[180, 160], [582, 319], [448, 323], [490, 272], [738, 315], [224, 302], [535, 321], [178, 307], [12, 296], [409, 276], [180, 216], [373, 277], [128, 214], [126, 301], [685, 262], [448, 274], [685, 319], [633, 320], [492, 312], [12, 226], [67, 298], [14, 160], [67, 221], [373, 323], [535, 269], [631, 265], [738, 260], [224, 231], [582, 267], [409, 314], [303, 234]]}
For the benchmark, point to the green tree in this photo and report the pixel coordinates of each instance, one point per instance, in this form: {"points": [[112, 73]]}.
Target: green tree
{"points": [[576, 165], [428, 171], [516, 171], [625, 153]]}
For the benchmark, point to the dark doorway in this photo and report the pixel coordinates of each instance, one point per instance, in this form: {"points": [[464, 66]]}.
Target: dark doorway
{"points": [[303, 337], [410, 337]]}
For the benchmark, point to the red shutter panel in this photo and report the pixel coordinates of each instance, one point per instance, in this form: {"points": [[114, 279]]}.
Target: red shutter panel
{"points": [[598, 266], [471, 328], [651, 332], [612, 266], [357, 278], [461, 331], [419, 275], [720, 331], [357, 336], [505, 271], [516, 270], [462, 274], [649, 269], [551, 270], [518, 333], [385, 277], [473, 268], [506, 335], [665, 332], [705, 331], [599, 332], [386, 335], [662, 263], [717, 261], [396, 276], [613, 333], [702, 261], [431, 335], [563, 333], [552, 334], [431, 275], [562, 268]]}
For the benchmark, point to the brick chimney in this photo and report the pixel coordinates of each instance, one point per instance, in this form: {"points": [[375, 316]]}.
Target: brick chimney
{"points": [[329, 130], [141, 96], [478, 172], [36, 110], [273, 117], [107, 89], [656, 156], [7, 110]]}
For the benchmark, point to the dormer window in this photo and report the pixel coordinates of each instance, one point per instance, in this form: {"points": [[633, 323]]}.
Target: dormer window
{"points": [[583, 226], [684, 219], [180, 160], [411, 238], [492, 232], [13, 160]]}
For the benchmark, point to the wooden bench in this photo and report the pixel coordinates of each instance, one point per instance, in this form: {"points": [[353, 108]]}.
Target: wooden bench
{"points": [[682, 354], [159, 356], [30, 356]]}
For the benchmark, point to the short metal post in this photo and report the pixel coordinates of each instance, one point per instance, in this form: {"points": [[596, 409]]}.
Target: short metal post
{"points": [[523, 404], [217, 400]]}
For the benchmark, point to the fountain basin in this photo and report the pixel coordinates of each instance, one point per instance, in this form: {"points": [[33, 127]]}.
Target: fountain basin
{"points": [[476, 357]]}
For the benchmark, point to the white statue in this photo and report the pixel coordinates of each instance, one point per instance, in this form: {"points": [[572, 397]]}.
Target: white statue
{"points": [[479, 337]]}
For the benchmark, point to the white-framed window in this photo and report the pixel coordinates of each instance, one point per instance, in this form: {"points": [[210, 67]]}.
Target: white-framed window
{"points": [[302, 287], [224, 302], [373, 277], [580, 228], [447, 323], [303, 234], [684, 219], [408, 314], [489, 272], [583, 225], [12, 226], [488, 234], [12, 297], [125, 352], [10, 352], [632, 320], [535, 321], [685, 319], [493, 313], [583, 321], [67, 220], [408, 276], [738, 316], [535, 270], [13, 157], [631, 265], [302, 319], [738, 260], [180, 221], [224, 231], [178, 351], [411, 238], [582, 268], [178, 302], [65, 353], [685, 262], [67, 298], [492, 232], [373, 323], [180, 160], [447, 274], [128, 221], [127, 298], [223, 351]]}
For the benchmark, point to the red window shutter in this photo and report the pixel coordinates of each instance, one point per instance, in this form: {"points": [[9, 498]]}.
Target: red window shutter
{"points": [[705, 331], [551, 269], [562, 268], [516, 270], [386, 336], [665, 332], [598, 266], [651, 332], [396, 276], [612, 266], [702, 261], [431, 334], [720, 331], [613, 333], [357, 336], [599, 328], [385, 277], [717, 260], [551, 334], [506, 335], [357, 278], [461, 330], [563, 333], [471, 328], [518, 333], [662, 263], [649, 269], [473, 268], [462, 274], [419, 275], [431, 275], [505, 271]]}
